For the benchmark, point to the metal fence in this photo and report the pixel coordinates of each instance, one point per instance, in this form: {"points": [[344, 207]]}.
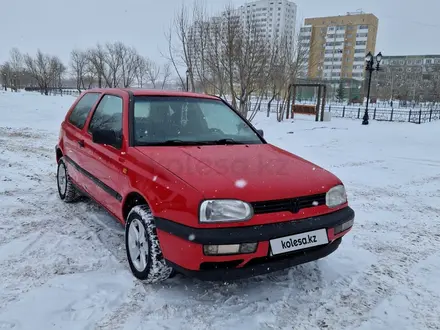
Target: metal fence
{"points": [[420, 115], [412, 115]]}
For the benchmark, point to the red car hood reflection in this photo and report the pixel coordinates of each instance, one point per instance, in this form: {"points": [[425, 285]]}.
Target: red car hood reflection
{"points": [[247, 172]]}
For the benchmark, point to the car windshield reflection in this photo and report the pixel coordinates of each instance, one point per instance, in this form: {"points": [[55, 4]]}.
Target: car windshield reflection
{"points": [[171, 121]]}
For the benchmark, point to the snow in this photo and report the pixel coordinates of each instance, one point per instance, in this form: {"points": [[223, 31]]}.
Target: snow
{"points": [[241, 183], [64, 266]]}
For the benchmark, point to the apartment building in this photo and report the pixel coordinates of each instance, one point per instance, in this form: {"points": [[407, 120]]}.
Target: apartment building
{"points": [[273, 19], [413, 64], [338, 44], [414, 77]]}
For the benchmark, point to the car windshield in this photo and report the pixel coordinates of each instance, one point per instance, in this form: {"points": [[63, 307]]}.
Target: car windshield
{"points": [[188, 121]]}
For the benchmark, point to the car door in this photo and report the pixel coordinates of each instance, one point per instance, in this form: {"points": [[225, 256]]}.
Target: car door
{"points": [[105, 162], [74, 135]]}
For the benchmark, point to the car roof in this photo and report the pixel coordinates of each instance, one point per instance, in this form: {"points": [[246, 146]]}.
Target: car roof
{"points": [[155, 92]]}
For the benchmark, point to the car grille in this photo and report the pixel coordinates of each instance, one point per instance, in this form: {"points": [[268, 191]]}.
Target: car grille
{"points": [[293, 205]]}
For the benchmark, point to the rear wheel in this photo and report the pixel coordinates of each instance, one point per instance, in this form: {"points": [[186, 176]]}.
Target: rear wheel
{"points": [[66, 189], [143, 250]]}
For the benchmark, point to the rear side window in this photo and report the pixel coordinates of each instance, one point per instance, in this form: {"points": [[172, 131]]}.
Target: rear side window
{"points": [[108, 115], [79, 114]]}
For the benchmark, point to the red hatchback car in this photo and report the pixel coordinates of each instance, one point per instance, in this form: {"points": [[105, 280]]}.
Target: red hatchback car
{"points": [[199, 190]]}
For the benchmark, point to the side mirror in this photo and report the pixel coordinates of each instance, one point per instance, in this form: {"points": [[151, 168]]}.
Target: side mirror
{"points": [[106, 136], [261, 132]]}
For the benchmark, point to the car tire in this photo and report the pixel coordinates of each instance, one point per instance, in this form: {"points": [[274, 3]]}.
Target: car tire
{"points": [[66, 190], [143, 249]]}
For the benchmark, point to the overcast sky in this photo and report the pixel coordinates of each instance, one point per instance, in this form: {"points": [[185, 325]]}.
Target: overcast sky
{"points": [[57, 26]]}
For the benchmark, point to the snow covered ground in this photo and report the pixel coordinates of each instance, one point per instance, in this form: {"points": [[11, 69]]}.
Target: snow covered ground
{"points": [[63, 266]]}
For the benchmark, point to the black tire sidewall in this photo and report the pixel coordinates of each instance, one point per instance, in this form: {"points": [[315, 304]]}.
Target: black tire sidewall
{"points": [[62, 164], [144, 274]]}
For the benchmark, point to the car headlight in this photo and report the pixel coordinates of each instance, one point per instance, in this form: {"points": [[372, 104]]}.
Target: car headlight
{"points": [[336, 196], [225, 210]]}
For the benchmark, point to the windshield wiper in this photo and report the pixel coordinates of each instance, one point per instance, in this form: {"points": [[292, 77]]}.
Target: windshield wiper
{"points": [[177, 142], [174, 142], [226, 141]]}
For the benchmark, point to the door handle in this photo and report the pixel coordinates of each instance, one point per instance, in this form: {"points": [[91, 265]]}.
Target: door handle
{"points": [[81, 143]]}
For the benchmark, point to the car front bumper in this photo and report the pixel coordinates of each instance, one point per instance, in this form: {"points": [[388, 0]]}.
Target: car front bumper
{"points": [[182, 246]]}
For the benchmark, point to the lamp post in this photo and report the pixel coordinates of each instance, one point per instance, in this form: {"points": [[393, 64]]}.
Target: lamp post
{"points": [[188, 71], [369, 59]]}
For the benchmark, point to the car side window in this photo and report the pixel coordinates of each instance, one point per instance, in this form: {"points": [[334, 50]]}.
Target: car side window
{"points": [[79, 114], [108, 115]]}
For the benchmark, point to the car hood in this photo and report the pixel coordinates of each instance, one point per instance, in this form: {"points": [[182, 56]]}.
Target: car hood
{"points": [[247, 172]]}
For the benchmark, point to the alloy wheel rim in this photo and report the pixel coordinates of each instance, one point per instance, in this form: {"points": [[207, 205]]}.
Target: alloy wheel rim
{"points": [[138, 245]]}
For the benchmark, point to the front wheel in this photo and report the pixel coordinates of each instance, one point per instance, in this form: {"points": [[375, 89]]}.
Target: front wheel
{"points": [[143, 250], [66, 190]]}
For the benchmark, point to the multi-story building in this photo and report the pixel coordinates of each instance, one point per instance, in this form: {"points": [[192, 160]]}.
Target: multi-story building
{"points": [[273, 19], [268, 19], [338, 44], [414, 65], [414, 77]]}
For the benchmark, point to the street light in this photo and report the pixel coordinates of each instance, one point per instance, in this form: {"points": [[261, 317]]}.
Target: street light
{"points": [[188, 71], [369, 59]]}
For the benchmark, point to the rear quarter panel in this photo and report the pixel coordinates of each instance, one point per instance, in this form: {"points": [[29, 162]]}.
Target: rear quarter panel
{"points": [[65, 123]]}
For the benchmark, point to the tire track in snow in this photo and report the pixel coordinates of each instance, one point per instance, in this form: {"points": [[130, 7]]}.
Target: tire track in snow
{"points": [[33, 209]]}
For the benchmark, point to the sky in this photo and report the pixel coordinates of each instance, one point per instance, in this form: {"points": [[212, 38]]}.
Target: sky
{"points": [[57, 26]]}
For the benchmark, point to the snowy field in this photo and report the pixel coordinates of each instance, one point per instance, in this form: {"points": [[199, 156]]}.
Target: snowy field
{"points": [[63, 266]]}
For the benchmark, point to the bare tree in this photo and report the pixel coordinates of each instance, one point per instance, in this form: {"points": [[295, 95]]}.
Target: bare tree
{"points": [[232, 57], [6, 73], [16, 62], [97, 65], [46, 70], [183, 42], [239, 59], [78, 63], [166, 74], [152, 73], [57, 71], [39, 68], [128, 58], [141, 73], [295, 59], [114, 65], [217, 75], [90, 74]]}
